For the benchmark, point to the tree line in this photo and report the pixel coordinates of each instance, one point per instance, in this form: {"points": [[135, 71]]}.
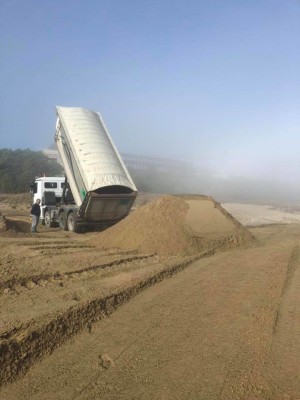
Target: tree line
{"points": [[19, 168]]}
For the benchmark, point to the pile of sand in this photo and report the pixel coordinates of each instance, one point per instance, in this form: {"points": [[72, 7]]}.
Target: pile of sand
{"points": [[14, 224], [176, 225], [3, 223]]}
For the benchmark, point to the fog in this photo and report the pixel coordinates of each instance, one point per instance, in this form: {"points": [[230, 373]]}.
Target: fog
{"points": [[192, 180], [246, 190], [276, 183]]}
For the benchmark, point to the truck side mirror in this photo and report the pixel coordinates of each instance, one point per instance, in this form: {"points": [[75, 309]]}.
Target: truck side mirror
{"points": [[33, 188]]}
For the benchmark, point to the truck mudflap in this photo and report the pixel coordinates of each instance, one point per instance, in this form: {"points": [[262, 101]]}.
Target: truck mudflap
{"points": [[106, 208]]}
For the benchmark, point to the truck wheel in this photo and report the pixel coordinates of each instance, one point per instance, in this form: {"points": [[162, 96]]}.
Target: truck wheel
{"points": [[48, 221], [62, 222], [72, 223]]}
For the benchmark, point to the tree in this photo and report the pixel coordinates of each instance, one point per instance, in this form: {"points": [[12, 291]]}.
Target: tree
{"points": [[19, 168]]}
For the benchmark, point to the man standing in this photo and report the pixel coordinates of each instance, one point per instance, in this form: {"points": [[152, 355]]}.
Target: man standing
{"points": [[35, 215]]}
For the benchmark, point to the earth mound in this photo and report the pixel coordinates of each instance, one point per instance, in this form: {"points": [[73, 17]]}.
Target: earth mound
{"points": [[17, 225], [13, 224], [176, 225], [3, 223]]}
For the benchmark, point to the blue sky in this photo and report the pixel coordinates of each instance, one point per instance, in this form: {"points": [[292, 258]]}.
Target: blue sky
{"points": [[213, 82]]}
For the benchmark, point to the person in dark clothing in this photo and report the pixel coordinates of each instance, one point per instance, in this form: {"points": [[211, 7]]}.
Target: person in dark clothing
{"points": [[35, 215]]}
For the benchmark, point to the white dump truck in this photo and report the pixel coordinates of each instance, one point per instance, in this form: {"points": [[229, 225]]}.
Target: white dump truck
{"points": [[98, 190]]}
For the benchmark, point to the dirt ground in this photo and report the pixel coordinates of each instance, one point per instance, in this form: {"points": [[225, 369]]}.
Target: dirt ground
{"points": [[178, 301]]}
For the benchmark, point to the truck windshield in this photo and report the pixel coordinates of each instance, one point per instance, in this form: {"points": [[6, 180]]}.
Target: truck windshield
{"points": [[50, 185]]}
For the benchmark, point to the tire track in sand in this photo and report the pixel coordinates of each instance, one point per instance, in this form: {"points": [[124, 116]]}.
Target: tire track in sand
{"points": [[252, 370], [292, 266], [24, 347], [283, 366]]}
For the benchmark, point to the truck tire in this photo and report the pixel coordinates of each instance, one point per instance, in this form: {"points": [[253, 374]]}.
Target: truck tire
{"points": [[48, 221], [72, 223], [62, 222]]}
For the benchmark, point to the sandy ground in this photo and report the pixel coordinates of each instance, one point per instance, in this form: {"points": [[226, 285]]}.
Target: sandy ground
{"points": [[80, 320], [255, 214]]}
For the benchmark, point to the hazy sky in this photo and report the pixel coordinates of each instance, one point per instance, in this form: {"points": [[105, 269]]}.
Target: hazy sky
{"points": [[213, 82]]}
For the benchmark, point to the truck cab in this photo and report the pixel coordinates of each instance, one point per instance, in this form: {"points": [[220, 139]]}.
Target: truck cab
{"points": [[49, 190]]}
